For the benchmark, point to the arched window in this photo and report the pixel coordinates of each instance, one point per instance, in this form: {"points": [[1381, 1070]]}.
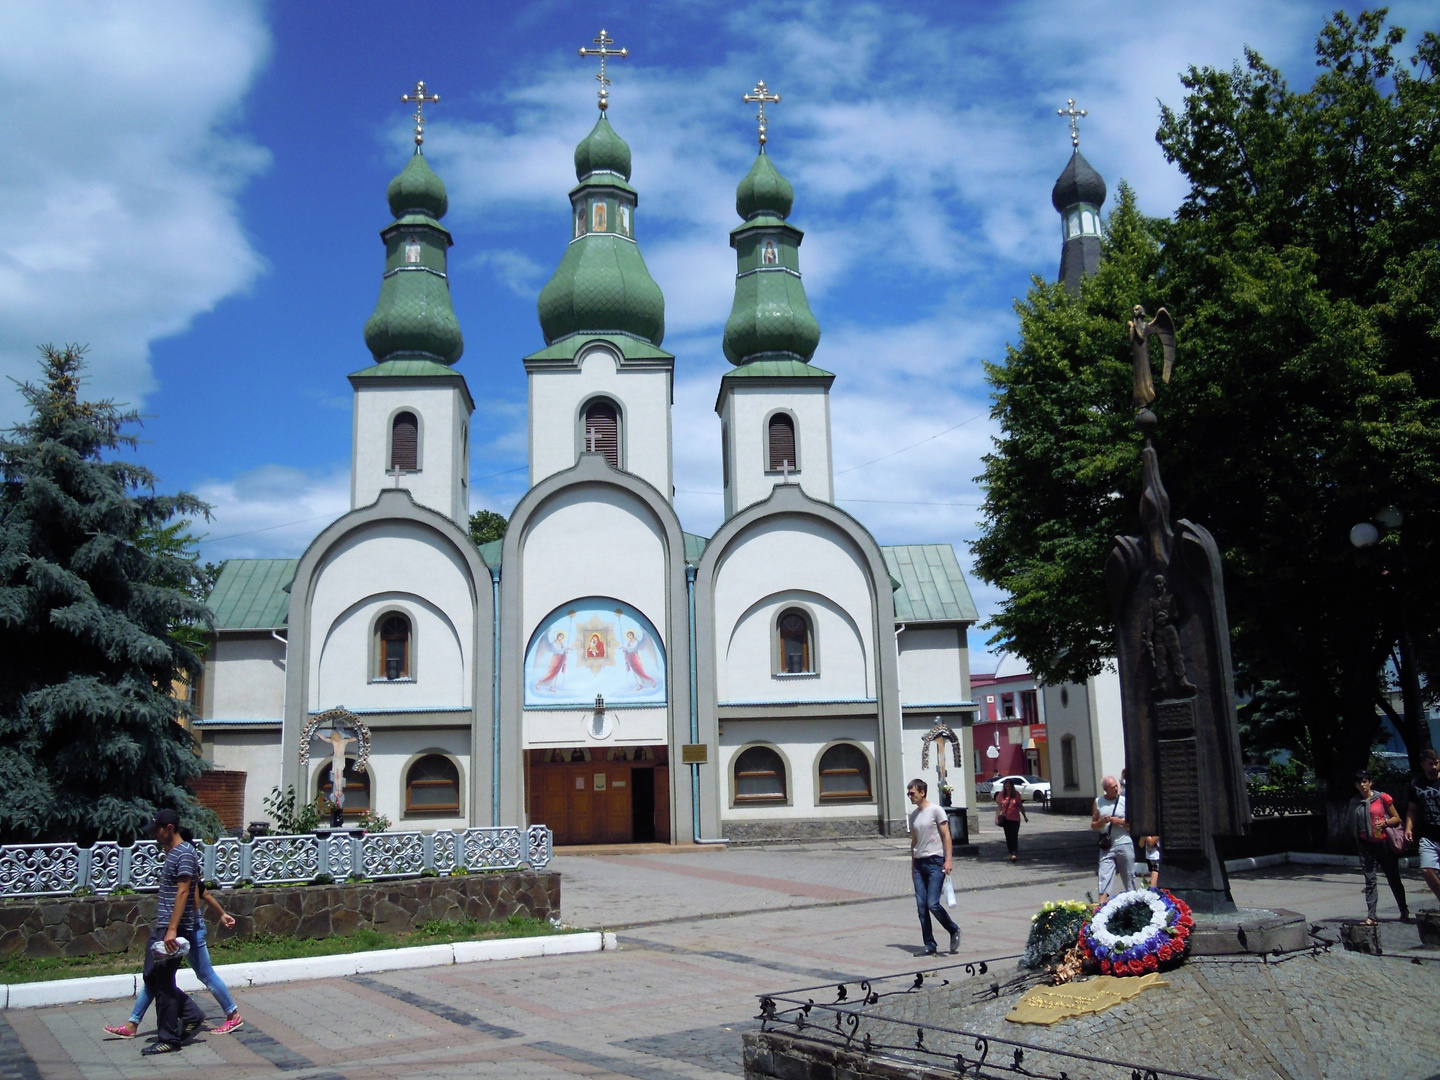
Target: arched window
{"points": [[404, 443], [844, 774], [602, 430], [781, 442], [796, 651], [759, 776], [432, 786], [393, 653], [357, 787]]}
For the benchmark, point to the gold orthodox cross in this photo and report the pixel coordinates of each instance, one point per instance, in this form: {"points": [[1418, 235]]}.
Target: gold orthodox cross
{"points": [[604, 52], [1074, 114], [763, 97], [421, 99]]}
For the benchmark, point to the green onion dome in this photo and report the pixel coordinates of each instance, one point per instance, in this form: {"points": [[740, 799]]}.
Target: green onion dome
{"points": [[602, 284], [764, 190], [417, 190], [771, 317], [602, 151], [413, 317]]}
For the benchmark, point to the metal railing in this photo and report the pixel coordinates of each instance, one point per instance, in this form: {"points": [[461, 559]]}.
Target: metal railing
{"points": [[64, 869]]}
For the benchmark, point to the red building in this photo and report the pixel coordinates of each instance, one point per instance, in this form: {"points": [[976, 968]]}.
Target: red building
{"points": [[1009, 727]]}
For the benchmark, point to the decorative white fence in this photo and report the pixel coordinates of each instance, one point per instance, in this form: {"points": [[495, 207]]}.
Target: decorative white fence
{"points": [[62, 869]]}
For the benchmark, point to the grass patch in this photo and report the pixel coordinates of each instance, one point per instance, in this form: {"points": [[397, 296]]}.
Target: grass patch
{"points": [[19, 969]]}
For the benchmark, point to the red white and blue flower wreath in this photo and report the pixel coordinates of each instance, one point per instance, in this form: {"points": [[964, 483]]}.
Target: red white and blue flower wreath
{"points": [[1114, 944]]}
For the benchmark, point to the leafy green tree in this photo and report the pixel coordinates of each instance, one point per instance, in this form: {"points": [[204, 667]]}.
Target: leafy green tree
{"points": [[1303, 269], [89, 744], [486, 526]]}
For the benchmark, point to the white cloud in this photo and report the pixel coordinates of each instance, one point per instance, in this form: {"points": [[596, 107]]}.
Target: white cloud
{"points": [[272, 512], [118, 219]]}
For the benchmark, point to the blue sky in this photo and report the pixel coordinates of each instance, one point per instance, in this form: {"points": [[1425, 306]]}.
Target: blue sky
{"points": [[195, 189]]}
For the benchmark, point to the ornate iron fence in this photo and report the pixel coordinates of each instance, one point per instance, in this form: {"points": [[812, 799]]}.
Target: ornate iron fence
{"points": [[859, 1018], [62, 869]]}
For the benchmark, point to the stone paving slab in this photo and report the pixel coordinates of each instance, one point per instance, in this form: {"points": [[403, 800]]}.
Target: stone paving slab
{"points": [[672, 1002]]}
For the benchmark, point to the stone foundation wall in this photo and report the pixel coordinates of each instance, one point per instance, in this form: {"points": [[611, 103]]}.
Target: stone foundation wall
{"points": [[781, 1057], [85, 926], [799, 829]]}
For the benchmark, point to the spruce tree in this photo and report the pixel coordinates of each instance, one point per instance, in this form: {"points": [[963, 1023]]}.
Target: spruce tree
{"points": [[92, 624]]}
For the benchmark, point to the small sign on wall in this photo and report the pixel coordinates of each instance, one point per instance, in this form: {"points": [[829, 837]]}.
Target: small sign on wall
{"points": [[694, 753], [579, 783], [599, 781]]}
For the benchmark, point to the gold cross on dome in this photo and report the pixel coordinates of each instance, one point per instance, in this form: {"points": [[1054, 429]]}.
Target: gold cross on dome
{"points": [[421, 99], [604, 52], [1074, 114], [763, 97]]}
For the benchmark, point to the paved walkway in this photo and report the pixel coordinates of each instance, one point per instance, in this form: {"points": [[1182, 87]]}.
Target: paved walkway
{"points": [[701, 935]]}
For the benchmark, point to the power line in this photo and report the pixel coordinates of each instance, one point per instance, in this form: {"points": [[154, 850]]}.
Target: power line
{"points": [[893, 502], [912, 446]]}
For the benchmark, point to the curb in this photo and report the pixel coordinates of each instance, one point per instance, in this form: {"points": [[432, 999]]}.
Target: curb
{"points": [[39, 995], [1303, 858]]}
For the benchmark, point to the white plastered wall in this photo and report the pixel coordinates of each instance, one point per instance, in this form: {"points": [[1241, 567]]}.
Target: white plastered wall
{"points": [[793, 561], [246, 677], [932, 666], [643, 395], [1068, 715], [746, 412], [256, 754], [392, 751], [443, 478], [800, 743], [392, 566], [1108, 725], [594, 541]]}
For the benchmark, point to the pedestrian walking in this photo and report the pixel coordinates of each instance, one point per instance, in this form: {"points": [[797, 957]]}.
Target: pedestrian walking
{"points": [[1117, 850], [1151, 873], [199, 957], [930, 865], [1422, 818], [1371, 812], [1009, 809], [175, 916]]}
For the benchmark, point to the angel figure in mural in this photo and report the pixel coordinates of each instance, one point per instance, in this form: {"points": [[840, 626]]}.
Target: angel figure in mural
{"points": [[639, 650], [553, 654]]}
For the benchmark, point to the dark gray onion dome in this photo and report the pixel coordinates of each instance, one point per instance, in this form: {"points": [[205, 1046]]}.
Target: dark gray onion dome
{"points": [[1079, 183]]}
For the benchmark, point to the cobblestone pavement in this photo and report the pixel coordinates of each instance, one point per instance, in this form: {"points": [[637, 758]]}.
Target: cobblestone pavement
{"points": [[701, 936]]}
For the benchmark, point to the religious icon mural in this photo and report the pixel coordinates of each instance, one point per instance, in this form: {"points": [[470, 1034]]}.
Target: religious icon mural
{"points": [[580, 222], [597, 216], [412, 250], [595, 646], [624, 220], [769, 257]]}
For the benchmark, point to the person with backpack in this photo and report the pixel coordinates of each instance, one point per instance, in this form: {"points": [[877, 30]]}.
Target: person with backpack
{"points": [[1373, 812]]}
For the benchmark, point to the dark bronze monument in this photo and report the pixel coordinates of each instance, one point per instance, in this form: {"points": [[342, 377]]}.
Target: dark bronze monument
{"points": [[1186, 781]]}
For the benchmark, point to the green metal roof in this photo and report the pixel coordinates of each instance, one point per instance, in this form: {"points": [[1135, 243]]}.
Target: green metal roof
{"points": [[631, 348], [491, 552], [932, 585], [253, 594], [779, 369], [406, 369], [694, 547]]}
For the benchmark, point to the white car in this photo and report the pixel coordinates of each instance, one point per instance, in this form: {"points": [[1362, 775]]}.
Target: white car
{"points": [[1029, 787]]}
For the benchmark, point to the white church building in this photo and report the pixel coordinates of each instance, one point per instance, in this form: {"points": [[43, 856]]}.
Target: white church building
{"points": [[600, 670]]}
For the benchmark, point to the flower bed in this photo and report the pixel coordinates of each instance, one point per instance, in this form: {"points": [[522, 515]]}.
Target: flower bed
{"points": [[1138, 932]]}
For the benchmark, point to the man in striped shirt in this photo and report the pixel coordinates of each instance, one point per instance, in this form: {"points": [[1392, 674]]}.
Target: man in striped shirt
{"points": [[175, 916]]}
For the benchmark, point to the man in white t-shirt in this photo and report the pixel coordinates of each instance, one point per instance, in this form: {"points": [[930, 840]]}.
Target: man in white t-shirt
{"points": [[1117, 850], [930, 864]]}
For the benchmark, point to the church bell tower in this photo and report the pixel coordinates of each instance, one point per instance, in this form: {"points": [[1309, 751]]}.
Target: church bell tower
{"points": [[412, 410], [775, 406], [1077, 197]]}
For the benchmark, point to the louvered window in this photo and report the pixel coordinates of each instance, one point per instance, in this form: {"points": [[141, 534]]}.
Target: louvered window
{"points": [[602, 431], [759, 776], [394, 651], [782, 442], [405, 443]]}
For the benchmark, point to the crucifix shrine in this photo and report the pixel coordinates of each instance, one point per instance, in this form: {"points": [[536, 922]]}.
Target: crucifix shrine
{"points": [[604, 52], [340, 729], [761, 96], [1074, 114], [421, 99]]}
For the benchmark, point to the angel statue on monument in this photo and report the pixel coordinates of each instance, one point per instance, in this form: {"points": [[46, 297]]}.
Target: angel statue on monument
{"points": [[639, 650]]}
